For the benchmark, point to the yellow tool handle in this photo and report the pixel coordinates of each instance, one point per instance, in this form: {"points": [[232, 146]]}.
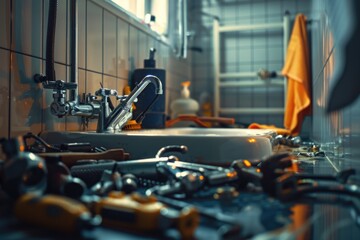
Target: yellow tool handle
{"points": [[139, 213], [54, 212]]}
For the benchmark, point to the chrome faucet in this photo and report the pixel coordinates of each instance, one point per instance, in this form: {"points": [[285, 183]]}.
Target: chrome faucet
{"points": [[116, 120]]}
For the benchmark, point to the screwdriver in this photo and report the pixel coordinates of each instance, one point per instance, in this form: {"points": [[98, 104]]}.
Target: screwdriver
{"points": [[55, 212], [140, 213]]}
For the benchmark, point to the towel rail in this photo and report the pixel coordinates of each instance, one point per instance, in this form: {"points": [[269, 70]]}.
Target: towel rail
{"points": [[263, 26], [243, 75], [252, 110], [256, 83], [218, 76]]}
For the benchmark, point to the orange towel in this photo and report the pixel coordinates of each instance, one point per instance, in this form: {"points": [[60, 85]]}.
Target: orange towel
{"points": [[297, 71], [281, 131]]}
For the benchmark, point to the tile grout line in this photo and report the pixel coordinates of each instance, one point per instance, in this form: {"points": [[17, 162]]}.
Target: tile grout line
{"points": [[10, 67]]}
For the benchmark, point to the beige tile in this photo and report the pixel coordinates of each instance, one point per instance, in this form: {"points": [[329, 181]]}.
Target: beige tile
{"points": [[133, 49], [93, 81], [111, 83], [121, 84], [110, 54], [94, 42], [123, 49], [4, 93], [81, 83], [27, 27], [26, 96], [5, 23], [143, 46]]}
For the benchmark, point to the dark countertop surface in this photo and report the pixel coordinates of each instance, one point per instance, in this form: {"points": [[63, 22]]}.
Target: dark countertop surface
{"points": [[260, 216]]}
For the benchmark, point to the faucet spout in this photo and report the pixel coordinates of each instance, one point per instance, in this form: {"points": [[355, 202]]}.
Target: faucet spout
{"points": [[123, 112]]}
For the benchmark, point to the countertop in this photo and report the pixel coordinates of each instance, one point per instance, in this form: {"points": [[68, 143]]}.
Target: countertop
{"points": [[260, 216]]}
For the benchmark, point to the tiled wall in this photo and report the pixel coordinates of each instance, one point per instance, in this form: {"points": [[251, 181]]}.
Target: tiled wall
{"points": [[110, 48], [242, 52], [340, 128]]}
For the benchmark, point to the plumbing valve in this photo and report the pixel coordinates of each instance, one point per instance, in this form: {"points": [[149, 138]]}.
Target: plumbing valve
{"points": [[58, 107]]}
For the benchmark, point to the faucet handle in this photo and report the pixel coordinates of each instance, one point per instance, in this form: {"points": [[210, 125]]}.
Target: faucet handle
{"points": [[123, 97], [105, 92]]}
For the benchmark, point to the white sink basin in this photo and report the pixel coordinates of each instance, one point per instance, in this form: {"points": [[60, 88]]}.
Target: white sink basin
{"points": [[217, 145]]}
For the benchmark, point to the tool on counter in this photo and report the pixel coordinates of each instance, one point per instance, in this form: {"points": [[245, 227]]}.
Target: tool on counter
{"points": [[201, 121], [292, 186], [287, 140], [91, 172], [272, 168], [138, 213], [113, 181], [70, 153], [40, 146], [60, 181], [188, 178], [171, 149], [229, 228], [22, 172], [70, 158], [54, 212]]}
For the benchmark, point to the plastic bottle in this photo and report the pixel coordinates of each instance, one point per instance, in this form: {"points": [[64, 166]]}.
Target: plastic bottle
{"points": [[184, 104]]}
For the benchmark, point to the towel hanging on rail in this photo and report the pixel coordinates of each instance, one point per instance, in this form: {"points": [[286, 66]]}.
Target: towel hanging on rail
{"points": [[297, 71]]}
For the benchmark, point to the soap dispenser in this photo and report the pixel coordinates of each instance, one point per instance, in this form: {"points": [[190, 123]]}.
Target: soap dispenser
{"points": [[184, 104], [154, 117]]}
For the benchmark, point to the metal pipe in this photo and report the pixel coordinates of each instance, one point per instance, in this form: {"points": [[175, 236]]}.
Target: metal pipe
{"points": [[73, 95], [286, 32], [216, 50], [50, 40]]}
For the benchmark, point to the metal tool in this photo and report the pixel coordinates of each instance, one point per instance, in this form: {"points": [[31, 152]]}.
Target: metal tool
{"points": [[59, 180], [39, 145], [54, 212], [188, 178], [292, 186], [144, 214], [143, 168], [229, 227], [22, 172], [113, 181]]}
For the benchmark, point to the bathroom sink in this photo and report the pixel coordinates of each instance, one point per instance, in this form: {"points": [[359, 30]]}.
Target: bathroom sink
{"points": [[206, 145]]}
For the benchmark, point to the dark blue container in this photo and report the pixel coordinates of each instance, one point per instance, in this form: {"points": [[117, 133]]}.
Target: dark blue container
{"points": [[155, 117]]}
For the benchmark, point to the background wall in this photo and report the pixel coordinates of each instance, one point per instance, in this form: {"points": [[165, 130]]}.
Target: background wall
{"points": [[110, 48], [339, 130], [246, 51]]}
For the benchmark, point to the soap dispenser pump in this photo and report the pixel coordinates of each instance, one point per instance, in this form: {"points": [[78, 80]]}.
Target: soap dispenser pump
{"points": [[154, 117]]}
